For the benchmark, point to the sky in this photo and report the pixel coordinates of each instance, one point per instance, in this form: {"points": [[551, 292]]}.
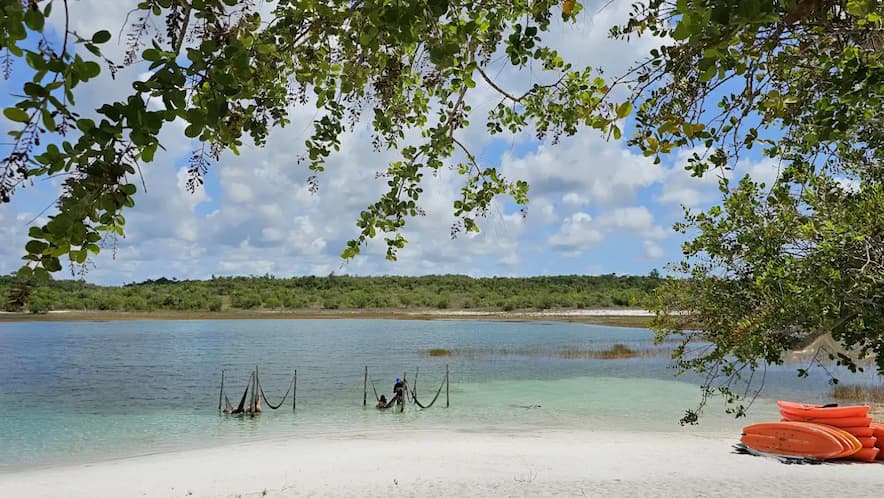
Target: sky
{"points": [[595, 205]]}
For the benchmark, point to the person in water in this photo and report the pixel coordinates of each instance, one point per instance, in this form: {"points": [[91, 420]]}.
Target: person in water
{"points": [[247, 409], [382, 403], [257, 407], [398, 390]]}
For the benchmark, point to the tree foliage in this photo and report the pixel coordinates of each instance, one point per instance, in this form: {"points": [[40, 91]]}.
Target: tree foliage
{"points": [[800, 83], [231, 73], [342, 292]]}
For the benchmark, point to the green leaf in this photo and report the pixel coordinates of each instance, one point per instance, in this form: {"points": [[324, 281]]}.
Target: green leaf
{"points": [[78, 256], [860, 8], [48, 120], [148, 152], [151, 55], [709, 73], [682, 31], [34, 19], [36, 246], [25, 272], [16, 114], [91, 69], [624, 110], [102, 36], [42, 275], [193, 131], [51, 263]]}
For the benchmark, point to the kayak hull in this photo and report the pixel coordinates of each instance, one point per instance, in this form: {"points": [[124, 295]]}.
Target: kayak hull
{"points": [[793, 439]]}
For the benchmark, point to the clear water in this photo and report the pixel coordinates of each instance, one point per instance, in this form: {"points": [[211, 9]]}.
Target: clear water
{"points": [[85, 391]]}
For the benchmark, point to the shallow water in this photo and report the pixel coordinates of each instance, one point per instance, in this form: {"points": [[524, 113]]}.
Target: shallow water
{"points": [[84, 391]]}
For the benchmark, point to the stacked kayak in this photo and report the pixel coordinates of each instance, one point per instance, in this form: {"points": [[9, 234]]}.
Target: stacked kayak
{"points": [[818, 432]]}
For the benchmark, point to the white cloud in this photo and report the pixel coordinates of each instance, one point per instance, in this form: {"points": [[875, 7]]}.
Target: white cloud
{"points": [[576, 234], [586, 169], [680, 188], [764, 171], [634, 219], [580, 231], [652, 250]]}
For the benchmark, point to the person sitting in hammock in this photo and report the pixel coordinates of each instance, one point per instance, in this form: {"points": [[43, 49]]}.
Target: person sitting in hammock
{"points": [[382, 403], [257, 407], [247, 409]]}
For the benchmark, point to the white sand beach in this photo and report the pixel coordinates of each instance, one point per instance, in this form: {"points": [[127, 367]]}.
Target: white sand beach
{"points": [[444, 463]]}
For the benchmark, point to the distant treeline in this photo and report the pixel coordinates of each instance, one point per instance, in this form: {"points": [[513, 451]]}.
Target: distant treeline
{"points": [[340, 292]]}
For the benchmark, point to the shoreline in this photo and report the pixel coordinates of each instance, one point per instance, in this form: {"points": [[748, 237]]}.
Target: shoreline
{"points": [[454, 463], [614, 317]]}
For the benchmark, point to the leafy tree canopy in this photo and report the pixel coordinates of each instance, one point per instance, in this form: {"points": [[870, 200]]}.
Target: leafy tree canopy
{"points": [[798, 81], [772, 265], [230, 72]]}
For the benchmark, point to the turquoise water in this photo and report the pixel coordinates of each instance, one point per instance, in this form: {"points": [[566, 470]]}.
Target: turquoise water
{"points": [[85, 391]]}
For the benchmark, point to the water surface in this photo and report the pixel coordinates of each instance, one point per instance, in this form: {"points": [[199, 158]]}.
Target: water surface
{"points": [[84, 391]]}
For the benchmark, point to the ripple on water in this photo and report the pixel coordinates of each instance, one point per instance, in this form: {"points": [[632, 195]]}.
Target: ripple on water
{"points": [[89, 391]]}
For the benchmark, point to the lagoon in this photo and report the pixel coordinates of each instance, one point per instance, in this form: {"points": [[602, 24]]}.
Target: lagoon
{"points": [[90, 391]]}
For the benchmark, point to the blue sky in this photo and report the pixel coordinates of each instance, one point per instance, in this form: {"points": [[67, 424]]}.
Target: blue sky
{"points": [[596, 207]]}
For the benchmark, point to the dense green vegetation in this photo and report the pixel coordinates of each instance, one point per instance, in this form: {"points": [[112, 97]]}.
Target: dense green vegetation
{"points": [[343, 292], [782, 260]]}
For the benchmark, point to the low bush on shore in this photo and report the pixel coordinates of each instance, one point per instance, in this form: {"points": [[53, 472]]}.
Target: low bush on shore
{"points": [[857, 393]]}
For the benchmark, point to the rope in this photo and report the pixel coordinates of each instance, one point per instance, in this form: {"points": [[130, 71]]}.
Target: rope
{"points": [[269, 404], [376, 397], [418, 403]]}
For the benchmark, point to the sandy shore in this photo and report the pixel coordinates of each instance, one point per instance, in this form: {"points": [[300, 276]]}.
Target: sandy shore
{"points": [[410, 463]]}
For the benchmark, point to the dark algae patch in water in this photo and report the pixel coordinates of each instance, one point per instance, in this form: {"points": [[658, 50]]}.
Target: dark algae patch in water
{"points": [[617, 351]]}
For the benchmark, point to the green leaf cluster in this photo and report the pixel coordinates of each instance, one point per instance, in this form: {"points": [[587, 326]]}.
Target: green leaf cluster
{"points": [[801, 85]]}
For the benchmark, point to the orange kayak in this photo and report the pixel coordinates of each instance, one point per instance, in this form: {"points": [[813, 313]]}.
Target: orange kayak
{"points": [[877, 430], [860, 431], [817, 411], [868, 442], [850, 442], [844, 422], [794, 439], [865, 455]]}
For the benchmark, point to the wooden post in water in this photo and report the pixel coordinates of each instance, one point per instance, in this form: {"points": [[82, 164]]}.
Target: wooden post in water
{"points": [[404, 397], [295, 390], [417, 371], [447, 386], [365, 387], [221, 393], [254, 402]]}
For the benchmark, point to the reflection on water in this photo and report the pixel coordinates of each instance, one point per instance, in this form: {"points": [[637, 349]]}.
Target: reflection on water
{"points": [[86, 391]]}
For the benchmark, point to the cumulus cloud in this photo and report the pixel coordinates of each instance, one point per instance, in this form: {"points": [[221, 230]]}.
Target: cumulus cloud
{"points": [[634, 219], [580, 231], [583, 170], [652, 250], [576, 234]]}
